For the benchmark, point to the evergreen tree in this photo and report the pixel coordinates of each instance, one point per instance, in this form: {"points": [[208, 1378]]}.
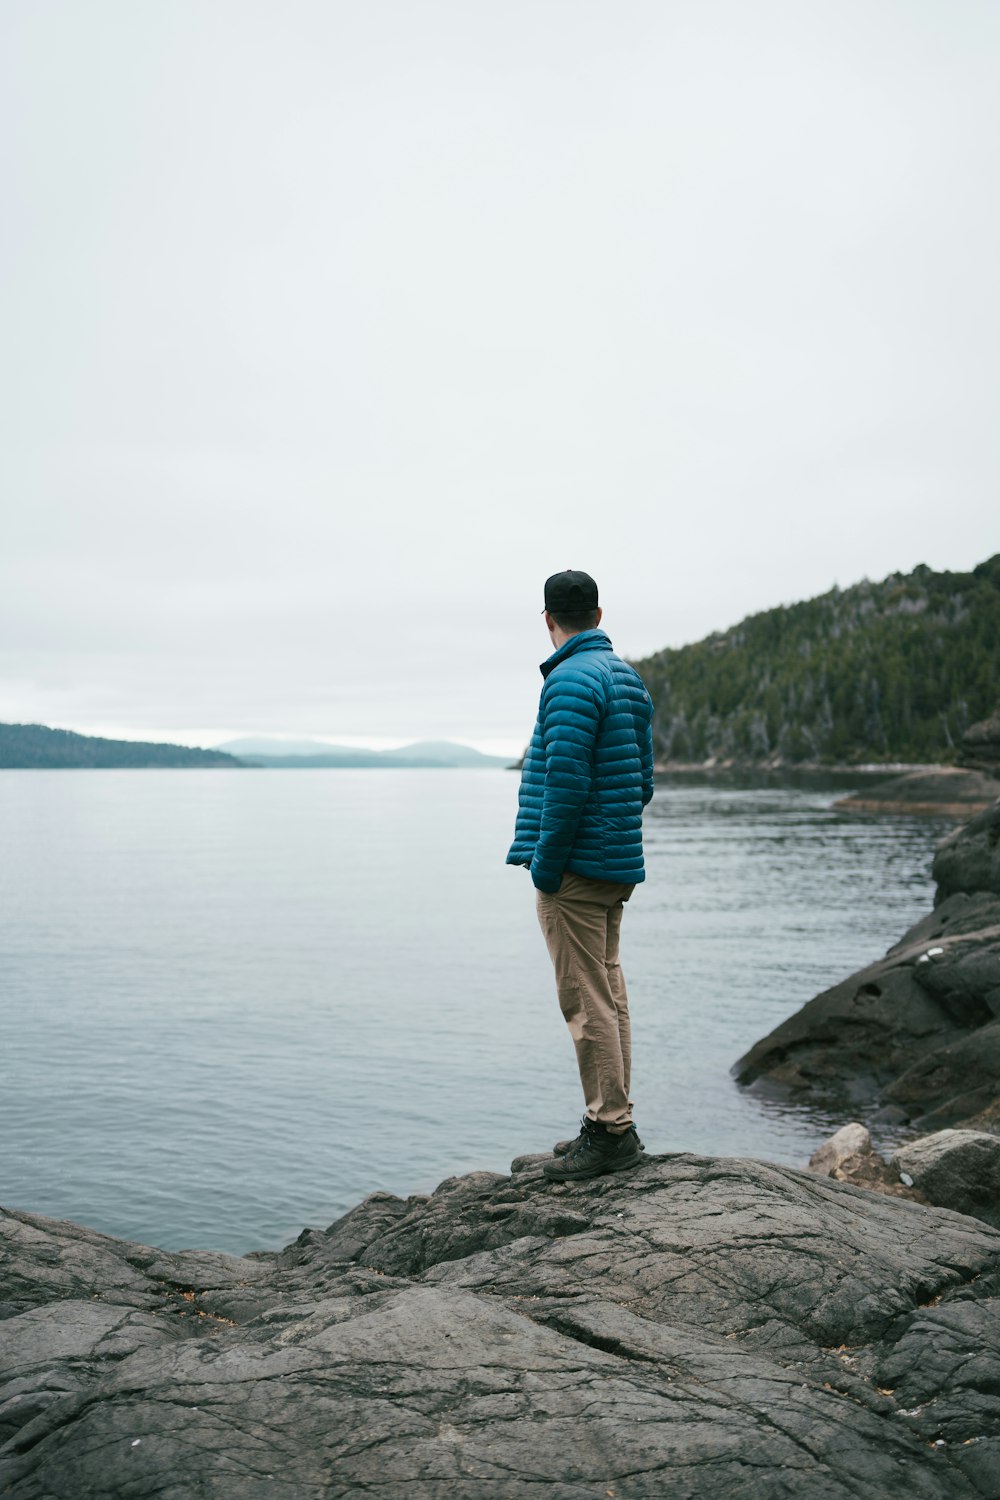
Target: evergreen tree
{"points": [[888, 671]]}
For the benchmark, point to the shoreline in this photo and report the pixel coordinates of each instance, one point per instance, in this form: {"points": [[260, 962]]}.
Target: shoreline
{"points": [[894, 789], [840, 768], [911, 1040]]}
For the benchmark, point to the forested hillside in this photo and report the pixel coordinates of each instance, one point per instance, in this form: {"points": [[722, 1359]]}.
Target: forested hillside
{"points": [[889, 671], [26, 747]]}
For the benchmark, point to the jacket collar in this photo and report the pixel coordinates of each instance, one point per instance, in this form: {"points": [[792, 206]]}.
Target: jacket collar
{"points": [[587, 640]]}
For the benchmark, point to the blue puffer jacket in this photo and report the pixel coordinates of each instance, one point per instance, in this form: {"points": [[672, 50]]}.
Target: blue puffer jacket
{"points": [[588, 772]]}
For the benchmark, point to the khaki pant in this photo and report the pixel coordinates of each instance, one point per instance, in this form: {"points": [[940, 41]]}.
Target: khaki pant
{"points": [[581, 923]]}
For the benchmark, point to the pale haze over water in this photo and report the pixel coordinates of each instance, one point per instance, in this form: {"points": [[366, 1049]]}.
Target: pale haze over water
{"points": [[234, 1004]]}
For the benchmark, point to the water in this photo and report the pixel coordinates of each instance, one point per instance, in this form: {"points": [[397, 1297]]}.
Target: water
{"points": [[235, 1003]]}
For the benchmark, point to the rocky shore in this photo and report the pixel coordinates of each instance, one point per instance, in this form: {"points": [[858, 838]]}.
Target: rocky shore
{"points": [[696, 1328], [913, 1038], [961, 790], [946, 791], [912, 1044]]}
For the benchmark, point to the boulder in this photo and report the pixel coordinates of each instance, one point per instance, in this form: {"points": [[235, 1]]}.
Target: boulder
{"points": [[699, 1327], [969, 859], [915, 1015], [849, 1140], [854, 1039], [957, 1169], [945, 791], [849, 1156]]}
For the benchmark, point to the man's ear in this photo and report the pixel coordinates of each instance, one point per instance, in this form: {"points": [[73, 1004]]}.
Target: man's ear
{"points": [[600, 613]]}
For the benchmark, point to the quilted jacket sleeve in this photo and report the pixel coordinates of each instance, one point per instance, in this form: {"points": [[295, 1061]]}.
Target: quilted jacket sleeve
{"points": [[570, 719], [647, 760]]}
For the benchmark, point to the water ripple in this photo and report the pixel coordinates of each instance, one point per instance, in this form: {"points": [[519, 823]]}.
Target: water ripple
{"points": [[236, 1004]]}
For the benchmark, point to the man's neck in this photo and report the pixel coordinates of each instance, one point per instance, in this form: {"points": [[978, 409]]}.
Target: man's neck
{"points": [[559, 637]]}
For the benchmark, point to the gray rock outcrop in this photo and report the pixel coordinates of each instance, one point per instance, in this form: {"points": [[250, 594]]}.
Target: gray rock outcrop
{"points": [[697, 1328], [948, 791], [917, 1033], [951, 1083], [957, 1169], [931, 991]]}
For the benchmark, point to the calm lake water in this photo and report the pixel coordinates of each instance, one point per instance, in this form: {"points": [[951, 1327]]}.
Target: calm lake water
{"points": [[233, 1003]]}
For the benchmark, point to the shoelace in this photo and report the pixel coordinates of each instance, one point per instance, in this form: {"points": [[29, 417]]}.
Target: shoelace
{"points": [[588, 1142]]}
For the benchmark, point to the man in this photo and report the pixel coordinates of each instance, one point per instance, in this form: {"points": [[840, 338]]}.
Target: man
{"points": [[587, 776]]}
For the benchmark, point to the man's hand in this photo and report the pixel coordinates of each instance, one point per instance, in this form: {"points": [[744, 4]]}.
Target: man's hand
{"points": [[547, 883]]}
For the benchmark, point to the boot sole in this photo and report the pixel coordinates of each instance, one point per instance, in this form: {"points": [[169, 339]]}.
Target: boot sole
{"points": [[612, 1166], [563, 1148]]}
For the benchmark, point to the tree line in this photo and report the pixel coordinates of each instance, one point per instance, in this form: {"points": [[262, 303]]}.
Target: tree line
{"points": [[28, 747], [889, 671]]}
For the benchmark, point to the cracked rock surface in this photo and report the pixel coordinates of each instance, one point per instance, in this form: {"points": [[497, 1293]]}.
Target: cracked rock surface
{"points": [[699, 1327]]}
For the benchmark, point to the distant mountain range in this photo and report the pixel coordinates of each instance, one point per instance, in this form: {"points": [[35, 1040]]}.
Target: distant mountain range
{"points": [[890, 671], [317, 754], [25, 747], [36, 747], [896, 670]]}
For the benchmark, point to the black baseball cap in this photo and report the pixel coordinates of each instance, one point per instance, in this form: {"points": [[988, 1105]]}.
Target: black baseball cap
{"points": [[570, 593]]}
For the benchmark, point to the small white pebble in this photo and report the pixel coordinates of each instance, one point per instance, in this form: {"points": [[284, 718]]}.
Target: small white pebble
{"points": [[923, 959], [933, 952], [136, 1442], [906, 1179]]}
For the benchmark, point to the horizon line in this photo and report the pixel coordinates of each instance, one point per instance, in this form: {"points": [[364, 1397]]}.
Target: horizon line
{"points": [[215, 738]]}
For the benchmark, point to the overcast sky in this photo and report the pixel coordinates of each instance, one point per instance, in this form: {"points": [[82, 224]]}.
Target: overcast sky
{"points": [[330, 329]]}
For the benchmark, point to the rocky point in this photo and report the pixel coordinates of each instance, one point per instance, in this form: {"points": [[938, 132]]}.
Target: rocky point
{"points": [[695, 1328]]}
